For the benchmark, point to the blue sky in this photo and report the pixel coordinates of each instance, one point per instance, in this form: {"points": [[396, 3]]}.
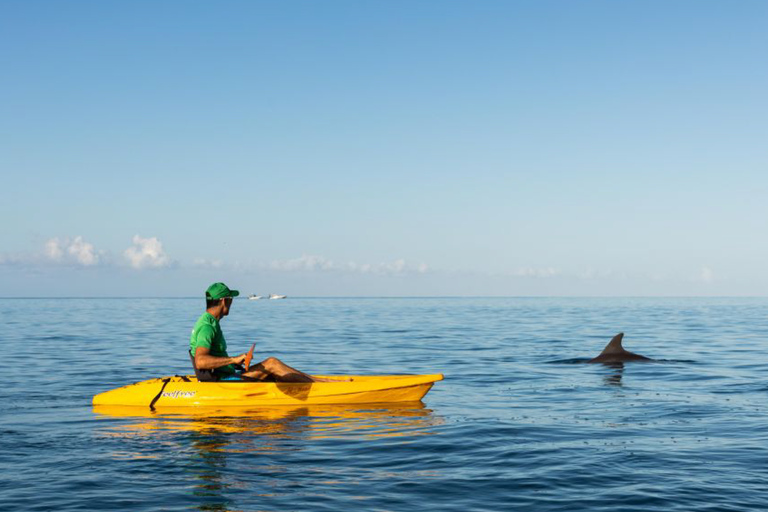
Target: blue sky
{"points": [[384, 148]]}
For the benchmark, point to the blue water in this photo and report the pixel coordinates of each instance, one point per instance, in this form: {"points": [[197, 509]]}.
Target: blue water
{"points": [[518, 424]]}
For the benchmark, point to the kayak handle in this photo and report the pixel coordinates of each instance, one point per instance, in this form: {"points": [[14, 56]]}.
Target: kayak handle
{"points": [[159, 394]]}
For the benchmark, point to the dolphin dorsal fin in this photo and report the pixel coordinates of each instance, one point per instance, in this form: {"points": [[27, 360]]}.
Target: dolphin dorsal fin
{"points": [[614, 346]]}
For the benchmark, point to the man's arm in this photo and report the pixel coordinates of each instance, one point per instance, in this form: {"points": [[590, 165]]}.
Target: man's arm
{"points": [[205, 361]]}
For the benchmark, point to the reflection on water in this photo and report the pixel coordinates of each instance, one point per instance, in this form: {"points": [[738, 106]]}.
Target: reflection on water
{"points": [[212, 435], [312, 422], [613, 377]]}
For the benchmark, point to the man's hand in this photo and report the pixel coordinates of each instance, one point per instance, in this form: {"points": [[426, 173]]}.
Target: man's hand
{"points": [[239, 359]]}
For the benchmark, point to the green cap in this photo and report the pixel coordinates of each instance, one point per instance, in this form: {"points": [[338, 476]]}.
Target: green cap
{"points": [[220, 291]]}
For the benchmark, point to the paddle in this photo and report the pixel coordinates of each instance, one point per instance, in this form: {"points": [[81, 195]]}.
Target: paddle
{"points": [[248, 357]]}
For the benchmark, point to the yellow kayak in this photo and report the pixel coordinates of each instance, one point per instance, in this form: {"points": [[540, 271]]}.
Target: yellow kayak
{"points": [[186, 391]]}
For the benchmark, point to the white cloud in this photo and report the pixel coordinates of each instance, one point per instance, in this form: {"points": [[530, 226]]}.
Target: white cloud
{"points": [[536, 272], [146, 253], [83, 252], [304, 263], [75, 251], [53, 249], [592, 274], [12, 259], [706, 275], [312, 263], [396, 267], [206, 263]]}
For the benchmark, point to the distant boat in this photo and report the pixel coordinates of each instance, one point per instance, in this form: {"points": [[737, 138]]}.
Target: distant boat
{"points": [[273, 296], [254, 297]]}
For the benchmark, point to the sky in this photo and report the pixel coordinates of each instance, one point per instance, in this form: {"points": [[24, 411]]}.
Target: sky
{"points": [[372, 148]]}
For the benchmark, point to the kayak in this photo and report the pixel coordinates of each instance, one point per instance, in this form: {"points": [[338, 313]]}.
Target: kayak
{"points": [[187, 391]]}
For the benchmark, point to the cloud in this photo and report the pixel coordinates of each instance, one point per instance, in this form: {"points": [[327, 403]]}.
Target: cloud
{"points": [[206, 263], [53, 249], [312, 263], [706, 275], [76, 251], [147, 253], [12, 259], [536, 272], [397, 267], [394, 268], [306, 263]]}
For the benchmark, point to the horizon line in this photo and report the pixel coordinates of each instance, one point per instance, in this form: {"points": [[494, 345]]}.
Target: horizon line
{"points": [[180, 297]]}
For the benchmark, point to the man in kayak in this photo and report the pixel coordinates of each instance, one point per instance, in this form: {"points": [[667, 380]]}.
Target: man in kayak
{"points": [[208, 348]]}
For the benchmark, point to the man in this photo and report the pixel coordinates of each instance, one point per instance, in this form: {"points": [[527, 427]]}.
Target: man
{"points": [[208, 348]]}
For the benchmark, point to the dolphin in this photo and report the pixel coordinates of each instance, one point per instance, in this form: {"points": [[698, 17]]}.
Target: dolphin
{"points": [[615, 353]]}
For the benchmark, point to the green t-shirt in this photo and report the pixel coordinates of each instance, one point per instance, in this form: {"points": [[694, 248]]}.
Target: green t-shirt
{"points": [[207, 333]]}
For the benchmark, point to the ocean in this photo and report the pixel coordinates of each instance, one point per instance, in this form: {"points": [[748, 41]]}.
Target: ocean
{"points": [[519, 423]]}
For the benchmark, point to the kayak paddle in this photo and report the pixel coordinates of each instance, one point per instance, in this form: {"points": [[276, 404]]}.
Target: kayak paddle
{"points": [[248, 357]]}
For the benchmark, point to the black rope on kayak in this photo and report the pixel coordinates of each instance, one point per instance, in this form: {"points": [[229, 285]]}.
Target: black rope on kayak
{"points": [[154, 400]]}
